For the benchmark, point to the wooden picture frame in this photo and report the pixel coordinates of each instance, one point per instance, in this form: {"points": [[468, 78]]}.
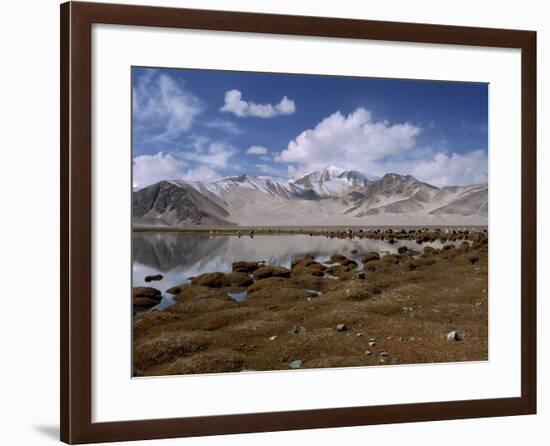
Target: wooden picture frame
{"points": [[76, 221]]}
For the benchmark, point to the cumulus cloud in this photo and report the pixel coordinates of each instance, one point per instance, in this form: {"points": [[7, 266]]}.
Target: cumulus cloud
{"points": [[162, 108], [444, 169], [257, 150], [234, 103], [358, 142], [201, 173], [149, 169], [352, 140]]}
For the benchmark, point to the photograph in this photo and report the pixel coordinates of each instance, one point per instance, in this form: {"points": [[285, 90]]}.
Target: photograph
{"points": [[297, 221]]}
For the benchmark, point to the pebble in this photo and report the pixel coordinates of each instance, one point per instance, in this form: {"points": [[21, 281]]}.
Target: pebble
{"points": [[453, 336], [359, 335], [368, 353], [295, 364], [341, 327], [298, 329], [383, 354], [372, 343], [272, 338]]}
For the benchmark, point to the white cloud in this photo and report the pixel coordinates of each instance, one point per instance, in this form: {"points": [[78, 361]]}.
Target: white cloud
{"points": [[216, 155], [234, 103], [201, 173], [349, 141], [444, 170], [357, 142], [149, 169], [257, 150], [163, 107], [223, 124]]}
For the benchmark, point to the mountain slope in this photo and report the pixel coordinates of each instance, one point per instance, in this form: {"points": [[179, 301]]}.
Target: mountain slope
{"points": [[328, 197], [176, 204]]}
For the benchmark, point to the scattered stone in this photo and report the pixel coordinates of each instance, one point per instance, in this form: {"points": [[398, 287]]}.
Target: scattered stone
{"points": [[295, 364], [361, 275], [368, 353], [372, 343], [148, 292], [212, 280], [272, 338], [245, 267], [298, 329], [153, 277], [383, 354], [341, 327], [453, 336], [359, 335], [271, 271], [402, 249]]}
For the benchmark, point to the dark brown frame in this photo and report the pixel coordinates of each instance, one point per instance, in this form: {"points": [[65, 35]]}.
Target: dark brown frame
{"points": [[76, 221]]}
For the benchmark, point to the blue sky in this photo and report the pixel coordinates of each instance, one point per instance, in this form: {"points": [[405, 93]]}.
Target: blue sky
{"points": [[202, 125]]}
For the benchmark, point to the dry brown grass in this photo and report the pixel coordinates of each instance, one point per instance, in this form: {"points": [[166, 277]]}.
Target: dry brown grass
{"points": [[408, 311]]}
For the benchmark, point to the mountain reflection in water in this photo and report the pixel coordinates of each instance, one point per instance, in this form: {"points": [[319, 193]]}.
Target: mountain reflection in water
{"points": [[178, 256]]}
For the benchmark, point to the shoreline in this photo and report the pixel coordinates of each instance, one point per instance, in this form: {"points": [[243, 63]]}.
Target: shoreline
{"points": [[304, 230]]}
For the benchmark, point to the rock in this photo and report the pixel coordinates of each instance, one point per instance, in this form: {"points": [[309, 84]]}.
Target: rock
{"points": [[412, 264], [153, 277], [338, 258], [144, 302], [368, 353], [147, 292], [448, 246], [359, 335], [373, 265], [272, 338], [383, 354], [402, 249], [212, 280], [295, 364], [298, 329], [370, 256], [351, 264], [428, 250], [361, 275], [338, 270], [341, 327], [240, 279], [453, 336], [391, 258], [190, 291], [372, 343], [271, 271], [245, 267]]}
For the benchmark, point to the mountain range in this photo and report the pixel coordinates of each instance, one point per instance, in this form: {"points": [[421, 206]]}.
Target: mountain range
{"points": [[329, 197]]}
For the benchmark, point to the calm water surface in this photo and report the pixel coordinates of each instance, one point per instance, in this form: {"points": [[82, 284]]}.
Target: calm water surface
{"points": [[178, 256]]}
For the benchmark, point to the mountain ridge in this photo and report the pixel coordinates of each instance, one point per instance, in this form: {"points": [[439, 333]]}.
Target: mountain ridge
{"points": [[331, 196]]}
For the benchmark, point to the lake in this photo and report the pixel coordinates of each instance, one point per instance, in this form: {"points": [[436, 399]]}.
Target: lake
{"points": [[178, 256]]}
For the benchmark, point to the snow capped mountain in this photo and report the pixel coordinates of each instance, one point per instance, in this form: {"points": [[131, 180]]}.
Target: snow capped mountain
{"points": [[331, 196], [333, 181]]}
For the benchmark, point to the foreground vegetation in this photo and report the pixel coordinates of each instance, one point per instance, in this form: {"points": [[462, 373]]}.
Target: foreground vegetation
{"points": [[420, 305]]}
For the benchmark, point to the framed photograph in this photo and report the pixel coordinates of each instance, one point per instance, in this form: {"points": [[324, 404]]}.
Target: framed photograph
{"points": [[280, 222]]}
